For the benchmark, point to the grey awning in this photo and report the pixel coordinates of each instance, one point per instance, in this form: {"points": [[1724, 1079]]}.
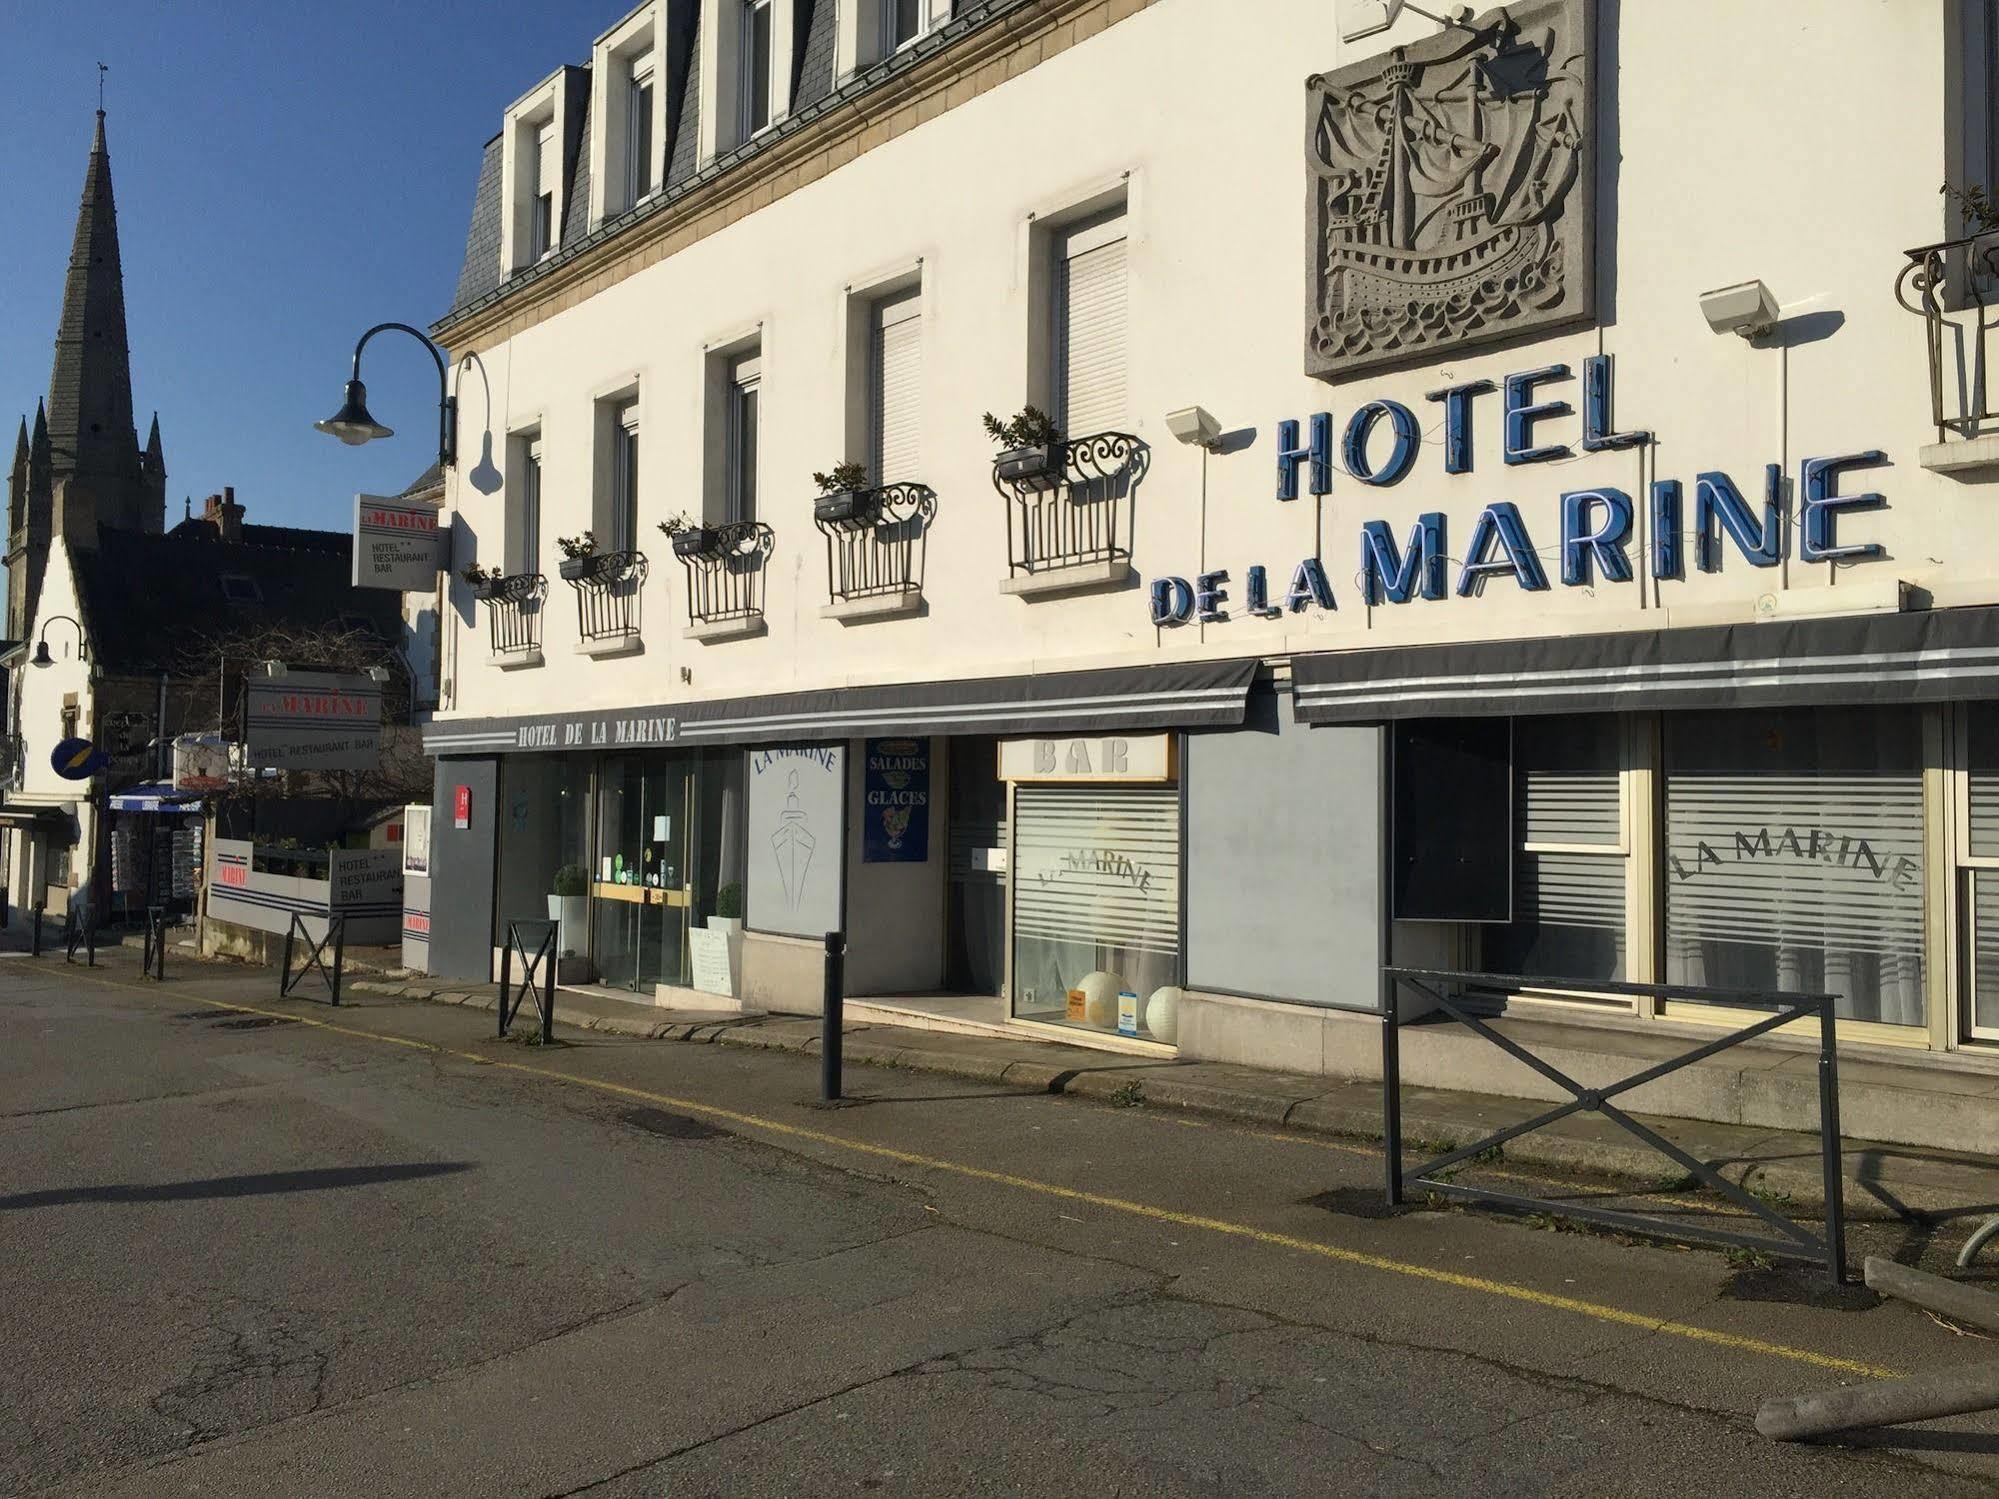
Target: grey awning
{"points": [[1122, 699], [1919, 657]]}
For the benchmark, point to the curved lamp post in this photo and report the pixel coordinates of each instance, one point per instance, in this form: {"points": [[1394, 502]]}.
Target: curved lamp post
{"points": [[42, 656], [353, 424]]}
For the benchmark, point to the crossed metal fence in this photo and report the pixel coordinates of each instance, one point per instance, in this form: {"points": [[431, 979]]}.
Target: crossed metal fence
{"points": [[1790, 1238], [537, 975], [334, 937]]}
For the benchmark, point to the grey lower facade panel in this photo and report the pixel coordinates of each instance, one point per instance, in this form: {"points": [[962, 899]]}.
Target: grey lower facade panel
{"points": [[1123, 699], [1284, 838], [461, 869], [1915, 657]]}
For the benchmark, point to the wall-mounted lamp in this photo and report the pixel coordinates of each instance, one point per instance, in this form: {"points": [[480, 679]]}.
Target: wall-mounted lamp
{"points": [[42, 656], [354, 425], [1747, 309], [1194, 426]]}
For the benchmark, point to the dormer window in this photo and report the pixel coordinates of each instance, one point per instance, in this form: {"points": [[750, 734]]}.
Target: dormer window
{"points": [[641, 140], [756, 55], [902, 23], [545, 170]]}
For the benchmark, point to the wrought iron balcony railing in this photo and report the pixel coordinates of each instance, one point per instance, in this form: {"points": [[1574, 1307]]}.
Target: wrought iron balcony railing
{"points": [[875, 553], [1947, 284], [513, 612], [725, 575], [1073, 504], [608, 587]]}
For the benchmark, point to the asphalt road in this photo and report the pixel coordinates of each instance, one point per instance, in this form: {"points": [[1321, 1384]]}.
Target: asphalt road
{"points": [[249, 1254]]}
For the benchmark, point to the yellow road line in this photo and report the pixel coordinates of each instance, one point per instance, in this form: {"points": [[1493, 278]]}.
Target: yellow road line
{"points": [[1506, 1290]]}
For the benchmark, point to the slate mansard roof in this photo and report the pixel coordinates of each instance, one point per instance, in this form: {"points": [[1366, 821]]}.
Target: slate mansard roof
{"points": [[480, 278]]}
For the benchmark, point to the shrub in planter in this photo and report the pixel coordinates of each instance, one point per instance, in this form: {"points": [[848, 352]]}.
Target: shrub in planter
{"points": [[486, 581], [689, 540], [580, 559], [729, 902], [1030, 447], [844, 495]]}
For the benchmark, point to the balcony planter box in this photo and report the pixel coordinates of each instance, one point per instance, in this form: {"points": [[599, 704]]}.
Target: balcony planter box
{"points": [[1037, 467], [696, 541], [490, 589], [587, 568], [853, 506]]}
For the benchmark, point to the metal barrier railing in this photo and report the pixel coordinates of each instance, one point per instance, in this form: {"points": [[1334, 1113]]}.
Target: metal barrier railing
{"points": [[725, 582], [334, 937], [1947, 285], [1794, 1241], [537, 975], [154, 963], [513, 613], [880, 551], [608, 596]]}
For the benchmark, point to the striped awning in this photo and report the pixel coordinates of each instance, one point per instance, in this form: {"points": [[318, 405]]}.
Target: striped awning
{"points": [[1203, 694], [1916, 657]]}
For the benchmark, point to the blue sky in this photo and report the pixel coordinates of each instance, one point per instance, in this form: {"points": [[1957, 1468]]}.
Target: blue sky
{"points": [[281, 184]]}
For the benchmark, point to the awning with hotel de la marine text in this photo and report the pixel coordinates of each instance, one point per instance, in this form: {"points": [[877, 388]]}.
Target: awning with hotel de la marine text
{"points": [[1201, 694], [1921, 656]]}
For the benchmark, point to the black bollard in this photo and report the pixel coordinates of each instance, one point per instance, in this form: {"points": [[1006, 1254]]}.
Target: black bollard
{"points": [[834, 1004], [37, 951]]}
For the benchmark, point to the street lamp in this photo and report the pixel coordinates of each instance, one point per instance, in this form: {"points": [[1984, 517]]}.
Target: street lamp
{"points": [[42, 656], [352, 423]]}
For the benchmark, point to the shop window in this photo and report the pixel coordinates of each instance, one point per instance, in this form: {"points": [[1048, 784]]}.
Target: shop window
{"points": [[1096, 901], [543, 846], [1569, 868], [1794, 855], [1978, 845]]}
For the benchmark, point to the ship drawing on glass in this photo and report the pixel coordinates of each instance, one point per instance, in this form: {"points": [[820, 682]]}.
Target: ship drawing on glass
{"points": [[1444, 178], [792, 844]]}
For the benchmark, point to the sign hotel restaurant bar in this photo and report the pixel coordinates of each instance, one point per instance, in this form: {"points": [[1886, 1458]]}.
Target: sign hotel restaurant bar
{"points": [[1597, 523]]}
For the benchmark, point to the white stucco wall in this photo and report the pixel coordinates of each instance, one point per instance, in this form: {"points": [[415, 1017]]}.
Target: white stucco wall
{"points": [[1763, 158]]}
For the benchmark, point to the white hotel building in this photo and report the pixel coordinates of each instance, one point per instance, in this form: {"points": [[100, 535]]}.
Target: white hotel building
{"points": [[1519, 506]]}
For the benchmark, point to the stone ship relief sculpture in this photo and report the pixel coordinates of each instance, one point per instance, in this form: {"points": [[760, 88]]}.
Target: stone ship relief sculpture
{"points": [[1449, 196]]}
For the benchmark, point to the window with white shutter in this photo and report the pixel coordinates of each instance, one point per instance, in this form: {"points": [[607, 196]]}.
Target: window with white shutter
{"points": [[1095, 872], [1794, 855], [1090, 328], [897, 398]]}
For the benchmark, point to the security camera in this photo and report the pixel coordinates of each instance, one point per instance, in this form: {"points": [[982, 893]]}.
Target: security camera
{"points": [[1193, 425], [1747, 309]]}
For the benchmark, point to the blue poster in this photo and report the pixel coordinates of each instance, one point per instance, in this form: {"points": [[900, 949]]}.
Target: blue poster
{"points": [[895, 801]]}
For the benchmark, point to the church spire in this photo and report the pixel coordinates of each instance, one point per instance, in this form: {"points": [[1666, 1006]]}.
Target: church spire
{"points": [[155, 461], [90, 393]]}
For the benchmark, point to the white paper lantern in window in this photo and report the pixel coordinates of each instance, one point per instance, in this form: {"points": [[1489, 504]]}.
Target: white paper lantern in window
{"points": [[1162, 1014]]}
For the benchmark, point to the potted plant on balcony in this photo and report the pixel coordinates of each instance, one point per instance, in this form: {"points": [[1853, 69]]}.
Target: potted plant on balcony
{"points": [[486, 581], [1030, 448], [581, 561], [844, 495], [689, 540], [569, 907]]}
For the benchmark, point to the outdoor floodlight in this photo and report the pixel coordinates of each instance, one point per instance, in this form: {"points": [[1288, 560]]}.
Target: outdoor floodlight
{"points": [[1193, 425], [1747, 310]]}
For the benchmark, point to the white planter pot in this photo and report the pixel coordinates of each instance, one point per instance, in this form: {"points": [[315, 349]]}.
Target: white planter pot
{"points": [[572, 914]]}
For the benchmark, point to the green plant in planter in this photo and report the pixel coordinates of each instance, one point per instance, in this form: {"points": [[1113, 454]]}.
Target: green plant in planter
{"points": [[573, 547], [480, 577], [1978, 206], [571, 879], [1031, 427], [729, 902], [845, 476]]}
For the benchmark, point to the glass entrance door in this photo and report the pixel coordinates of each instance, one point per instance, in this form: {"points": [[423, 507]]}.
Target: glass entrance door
{"points": [[639, 890]]}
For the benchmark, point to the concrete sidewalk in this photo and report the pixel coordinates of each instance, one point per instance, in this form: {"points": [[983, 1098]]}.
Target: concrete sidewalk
{"points": [[1883, 1181]]}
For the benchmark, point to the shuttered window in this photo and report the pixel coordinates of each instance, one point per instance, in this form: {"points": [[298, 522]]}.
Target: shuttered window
{"points": [[1794, 855], [640, 151], [1569, 874], [1096, 891], [898, 389], [1090, 329], [547, 176]]}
